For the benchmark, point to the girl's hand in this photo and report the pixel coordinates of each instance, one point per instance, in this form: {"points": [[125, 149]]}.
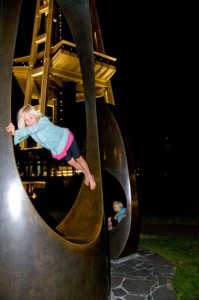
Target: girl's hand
{"points": [[11, 128]]}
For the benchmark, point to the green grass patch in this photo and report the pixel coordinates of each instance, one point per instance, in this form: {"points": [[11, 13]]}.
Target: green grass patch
{"points": [[183, 252]]}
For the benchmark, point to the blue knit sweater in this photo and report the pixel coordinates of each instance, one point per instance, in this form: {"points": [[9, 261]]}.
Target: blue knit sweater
{"points": [[120, 214], [45, 133]]}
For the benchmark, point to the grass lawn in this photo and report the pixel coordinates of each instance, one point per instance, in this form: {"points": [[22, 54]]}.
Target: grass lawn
{"points": [[183, 252]]}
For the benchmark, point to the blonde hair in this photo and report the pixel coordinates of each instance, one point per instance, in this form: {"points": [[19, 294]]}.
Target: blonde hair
{"points": [[30, 109], [118, 203]]}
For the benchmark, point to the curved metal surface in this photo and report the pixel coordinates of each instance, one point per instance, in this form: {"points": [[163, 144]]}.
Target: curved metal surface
{"points": [[80, 18], [117, 159], [36, 262]]}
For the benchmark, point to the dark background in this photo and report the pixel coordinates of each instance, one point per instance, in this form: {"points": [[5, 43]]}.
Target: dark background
{"points": [[155, 89]]}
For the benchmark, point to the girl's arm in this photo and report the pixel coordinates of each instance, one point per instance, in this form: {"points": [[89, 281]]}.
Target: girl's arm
{"points": [[23, 133]]}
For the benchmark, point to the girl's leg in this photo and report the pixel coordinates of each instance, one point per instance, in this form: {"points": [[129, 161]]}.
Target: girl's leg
{"points": [[81, 165], [88, 175]]}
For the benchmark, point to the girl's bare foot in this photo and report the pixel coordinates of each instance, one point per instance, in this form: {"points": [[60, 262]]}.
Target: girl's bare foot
{"points": [[86, 181], [92, 183]]}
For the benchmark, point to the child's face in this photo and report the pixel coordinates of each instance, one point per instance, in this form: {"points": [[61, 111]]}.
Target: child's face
{"points": [[29, 119], [115, 207]]}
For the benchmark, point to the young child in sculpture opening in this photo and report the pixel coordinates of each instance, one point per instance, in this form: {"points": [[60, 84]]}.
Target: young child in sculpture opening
{"points": [[120, 213], [59, 140]]}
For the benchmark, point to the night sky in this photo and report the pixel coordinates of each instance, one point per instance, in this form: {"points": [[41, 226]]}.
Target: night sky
{"points": [[154, 87]]}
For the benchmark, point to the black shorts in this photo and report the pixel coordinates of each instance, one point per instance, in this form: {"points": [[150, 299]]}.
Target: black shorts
{"points": [[73, 151], [114, 222]]}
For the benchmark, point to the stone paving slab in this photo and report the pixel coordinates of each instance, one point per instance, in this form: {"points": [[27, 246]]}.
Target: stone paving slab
{"points": [[143, 275]]}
